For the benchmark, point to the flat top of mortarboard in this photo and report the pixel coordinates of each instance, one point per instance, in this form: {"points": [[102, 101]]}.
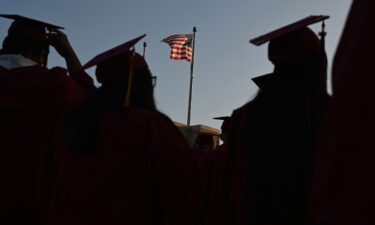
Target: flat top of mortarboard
{"points": [[31, 21], [221, 118], [288, 28], [116, 51]]}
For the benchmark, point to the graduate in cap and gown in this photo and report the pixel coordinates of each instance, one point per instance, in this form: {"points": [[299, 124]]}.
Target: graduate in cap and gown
{"points": [[344, 184], [218, 168], [274, 135], [33, 100], [126, 162]]}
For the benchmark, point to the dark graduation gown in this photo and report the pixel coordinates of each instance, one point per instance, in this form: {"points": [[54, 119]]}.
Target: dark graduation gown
{"points": [[215, 214], [273, 150], [32, 101], [344, 190], [141, 173], [235, 169]]}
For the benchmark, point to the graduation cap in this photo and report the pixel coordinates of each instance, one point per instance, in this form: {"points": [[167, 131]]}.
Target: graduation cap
{"points": [[222, 118], [227, 122], [294, 41], [113, 52], [30, 28], [263, 79], [287, 29], [131, 61]]}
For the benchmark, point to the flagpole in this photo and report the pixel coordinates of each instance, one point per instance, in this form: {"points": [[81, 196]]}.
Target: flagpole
{"points": [[144, 49], [191, 77]]}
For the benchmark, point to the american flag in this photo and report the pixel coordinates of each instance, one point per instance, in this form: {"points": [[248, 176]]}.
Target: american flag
{"points": [[181, 46]]}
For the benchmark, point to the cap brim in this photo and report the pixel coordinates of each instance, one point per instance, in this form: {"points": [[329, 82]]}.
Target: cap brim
{"points": [[118, 50], [260, 81], [31, 21], [286, 29], [222, 118]]}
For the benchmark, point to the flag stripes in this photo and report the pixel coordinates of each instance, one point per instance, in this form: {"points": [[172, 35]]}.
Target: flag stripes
{"points": [[181, 48]]}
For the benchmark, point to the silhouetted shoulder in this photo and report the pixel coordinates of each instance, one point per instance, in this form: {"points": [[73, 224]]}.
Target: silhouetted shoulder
{"points": [[27, 75], [141, 120], [146, 115], [59, 71]]}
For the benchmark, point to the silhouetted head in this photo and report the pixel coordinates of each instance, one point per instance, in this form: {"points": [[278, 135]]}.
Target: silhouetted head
{"points": [[293, 46], [114, 76], [117, 70], [27, 37], [299, 58], [225, 127]]}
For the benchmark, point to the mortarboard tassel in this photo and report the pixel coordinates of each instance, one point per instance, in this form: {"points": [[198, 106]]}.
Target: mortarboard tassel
{"points": [[130, 80]]}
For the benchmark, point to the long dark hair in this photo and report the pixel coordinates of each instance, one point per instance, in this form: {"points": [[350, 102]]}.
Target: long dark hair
{"points": [[83, 124]]}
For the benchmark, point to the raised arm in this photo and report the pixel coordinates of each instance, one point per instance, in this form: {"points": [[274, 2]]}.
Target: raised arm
{"points": [[60, 42]]}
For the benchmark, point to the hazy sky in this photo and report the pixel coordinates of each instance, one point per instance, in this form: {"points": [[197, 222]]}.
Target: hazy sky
{"points": [[225, 60]]}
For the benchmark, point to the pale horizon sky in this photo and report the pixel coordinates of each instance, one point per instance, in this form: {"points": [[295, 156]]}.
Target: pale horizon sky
{"points": [[225, 60]]}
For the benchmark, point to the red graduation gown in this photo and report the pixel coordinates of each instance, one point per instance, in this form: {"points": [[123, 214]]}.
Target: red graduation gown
{"points": [[141, 174], [32, 101], [344, 192]]}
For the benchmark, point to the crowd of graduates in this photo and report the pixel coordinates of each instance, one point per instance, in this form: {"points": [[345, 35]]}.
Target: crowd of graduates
{"points": [[75, 154]]}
